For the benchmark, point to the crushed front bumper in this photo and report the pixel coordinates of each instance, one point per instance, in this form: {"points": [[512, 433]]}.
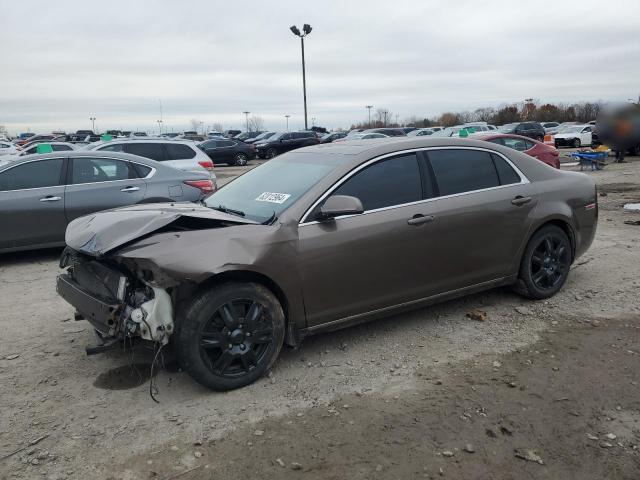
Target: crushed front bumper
{"points": [[103, 316]]}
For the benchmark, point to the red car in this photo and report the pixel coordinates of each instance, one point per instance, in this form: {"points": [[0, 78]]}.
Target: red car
{"points": [[544, 153]]}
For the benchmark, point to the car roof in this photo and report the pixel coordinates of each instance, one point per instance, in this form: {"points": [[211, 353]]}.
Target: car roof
{"points": [[490, 135], [95, 145], [79, 153], [382, 146]]}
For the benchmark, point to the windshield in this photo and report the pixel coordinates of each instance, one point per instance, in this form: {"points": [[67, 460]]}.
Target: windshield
{"points": [[447, 132], [264, 135], [573, 129], [270, 188], [509, 127], [567, 128], [276, 136]]}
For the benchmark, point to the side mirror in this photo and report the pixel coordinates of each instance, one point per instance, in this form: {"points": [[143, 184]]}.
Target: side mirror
{"points": [[338, 205]]}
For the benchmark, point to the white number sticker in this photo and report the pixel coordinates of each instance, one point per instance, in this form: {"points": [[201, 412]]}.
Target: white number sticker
{"points": [[273, 197]]}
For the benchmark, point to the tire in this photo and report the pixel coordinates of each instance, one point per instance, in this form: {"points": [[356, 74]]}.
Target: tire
{"points": [[577, 143], [217, 343], [240, 159], [545, 266], [271, 153]]}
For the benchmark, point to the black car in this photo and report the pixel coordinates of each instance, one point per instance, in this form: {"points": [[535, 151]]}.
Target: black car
{"points": [[231, 133], [526, 129], [390, 132], [330, 137], [229, 151], [285, 141]]}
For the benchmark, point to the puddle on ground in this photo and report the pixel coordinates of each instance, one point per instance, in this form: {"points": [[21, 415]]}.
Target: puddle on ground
{"points": [[125, 377]]}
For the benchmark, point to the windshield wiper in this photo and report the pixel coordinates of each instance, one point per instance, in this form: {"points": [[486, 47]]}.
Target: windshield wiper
{"points": [[222, 208], [271, 219]]}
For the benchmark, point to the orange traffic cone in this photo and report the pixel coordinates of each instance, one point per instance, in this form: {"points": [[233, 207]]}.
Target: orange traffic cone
{"points": [[548, 140]]}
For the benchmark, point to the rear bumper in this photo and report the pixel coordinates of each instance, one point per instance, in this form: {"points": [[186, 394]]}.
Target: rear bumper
{"points": [[564, 142], [101, 315]]}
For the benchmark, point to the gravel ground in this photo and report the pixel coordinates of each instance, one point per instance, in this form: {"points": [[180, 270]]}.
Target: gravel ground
{"points": [[396, 398]]}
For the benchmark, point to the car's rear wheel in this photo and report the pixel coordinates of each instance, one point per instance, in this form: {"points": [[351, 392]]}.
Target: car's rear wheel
{"points": [[271, 153], [240, 159], [230, 335], [576, 143], [545, 264]]}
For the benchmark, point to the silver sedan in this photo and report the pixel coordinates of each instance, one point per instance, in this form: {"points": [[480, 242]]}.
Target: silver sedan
{"points": [[41, 194]]}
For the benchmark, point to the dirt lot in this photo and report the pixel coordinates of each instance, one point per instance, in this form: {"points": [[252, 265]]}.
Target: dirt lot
{"points": [[538, 390]]}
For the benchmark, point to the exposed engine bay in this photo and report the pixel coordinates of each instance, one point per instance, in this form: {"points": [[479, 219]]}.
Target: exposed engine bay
{"points": [[119, 304]]}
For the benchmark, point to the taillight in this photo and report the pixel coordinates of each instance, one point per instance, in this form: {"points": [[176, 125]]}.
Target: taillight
{"points": [[205, 186], [208, 164]]}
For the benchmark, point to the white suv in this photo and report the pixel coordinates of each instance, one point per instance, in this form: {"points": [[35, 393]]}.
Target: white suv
{"points": [[183, 155]]}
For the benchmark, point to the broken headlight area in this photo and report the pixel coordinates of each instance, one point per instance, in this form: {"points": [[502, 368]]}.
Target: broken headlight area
{"points": [[119, 304]]}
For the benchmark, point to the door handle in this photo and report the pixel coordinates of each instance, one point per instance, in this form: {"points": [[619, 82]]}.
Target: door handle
{"points": [[520, 200], [420, 219], [50, 198], [130, 189]]}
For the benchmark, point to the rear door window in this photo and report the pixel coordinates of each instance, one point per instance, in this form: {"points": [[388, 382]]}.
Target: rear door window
{"points": [[515, 143], [153, 151], [112, 148], [92, 170], [141, 170], [506, 173], [61, 148], [179, 151], [393, 181], [38, 174], [459, 171]]}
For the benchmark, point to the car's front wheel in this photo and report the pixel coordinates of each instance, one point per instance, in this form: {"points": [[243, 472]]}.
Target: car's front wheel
{"points": [[576, 143], [271, 153], [545, 264], [230, 335], [240, 159]]}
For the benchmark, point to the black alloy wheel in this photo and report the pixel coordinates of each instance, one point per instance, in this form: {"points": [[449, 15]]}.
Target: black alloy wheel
{"points": [[545, 264], [576, 143], [230, 335], [271, 153], [236, 338], [549, 262], [240, 159]]}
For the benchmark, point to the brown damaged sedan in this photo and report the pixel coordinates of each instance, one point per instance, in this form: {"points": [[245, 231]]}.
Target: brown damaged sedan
{"points": [[321, 238]]}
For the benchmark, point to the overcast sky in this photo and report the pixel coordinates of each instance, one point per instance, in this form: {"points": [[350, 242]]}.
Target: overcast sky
{"points": [[65, 61]]}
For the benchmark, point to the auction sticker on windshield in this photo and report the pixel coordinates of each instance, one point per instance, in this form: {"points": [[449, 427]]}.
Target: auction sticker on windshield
{"points": [[273, 197]]}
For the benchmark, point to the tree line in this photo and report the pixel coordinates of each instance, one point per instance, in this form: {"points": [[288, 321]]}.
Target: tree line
{"points": [[530, 110]]}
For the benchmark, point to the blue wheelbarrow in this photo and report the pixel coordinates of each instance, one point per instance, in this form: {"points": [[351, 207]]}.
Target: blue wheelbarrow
{"points": [[596, 160]]}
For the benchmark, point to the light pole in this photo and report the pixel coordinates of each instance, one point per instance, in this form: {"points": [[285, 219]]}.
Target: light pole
{"points": [[93, 124], [369, 107], [159, 126], [306, 28], [313, 122], [287, 117], [246, 120]]}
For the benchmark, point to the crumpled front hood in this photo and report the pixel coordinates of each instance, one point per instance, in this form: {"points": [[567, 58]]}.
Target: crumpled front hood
{"points": [[101, 232]]}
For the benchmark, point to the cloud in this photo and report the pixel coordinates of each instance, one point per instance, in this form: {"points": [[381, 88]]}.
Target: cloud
{"points": [[211, 60]]}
